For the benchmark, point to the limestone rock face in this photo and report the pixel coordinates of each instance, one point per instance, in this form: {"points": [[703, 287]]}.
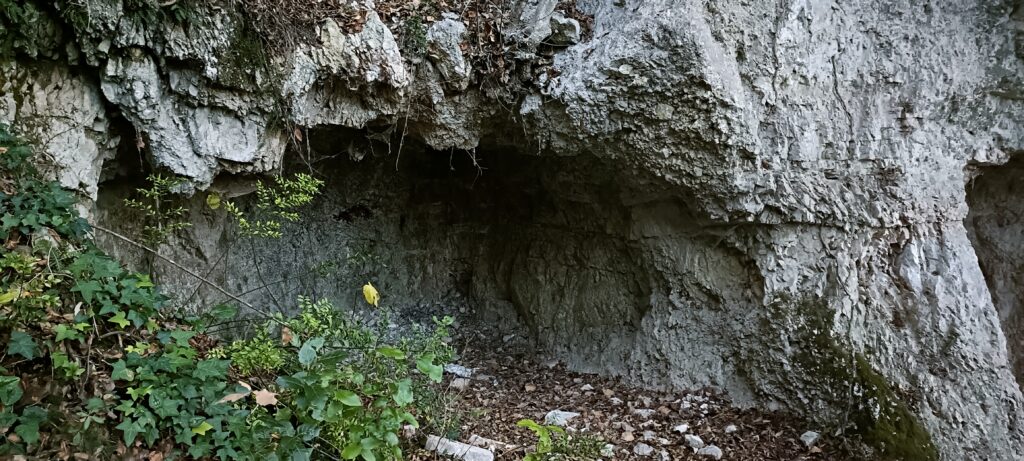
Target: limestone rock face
{"points": [[65, 113], [769, 199]]}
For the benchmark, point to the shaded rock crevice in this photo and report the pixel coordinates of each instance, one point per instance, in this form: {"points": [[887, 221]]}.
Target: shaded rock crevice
{"points": [[996, 228]]}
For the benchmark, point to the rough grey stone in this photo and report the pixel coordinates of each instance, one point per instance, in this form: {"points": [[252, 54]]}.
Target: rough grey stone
{"points": [[643, 449], [694, 441], [809, 438], [559, 417], [710, 451], [444, 48], [457, 450], [458, 370], [564, 31]]}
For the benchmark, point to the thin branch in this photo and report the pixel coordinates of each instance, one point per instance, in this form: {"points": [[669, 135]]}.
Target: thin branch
{"points": [[185, 270]]}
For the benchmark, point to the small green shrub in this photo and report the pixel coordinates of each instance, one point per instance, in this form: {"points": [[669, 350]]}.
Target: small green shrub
{"points": [[414, 36], [161, 217], [555, 444], [275, 205], [256, 356]]}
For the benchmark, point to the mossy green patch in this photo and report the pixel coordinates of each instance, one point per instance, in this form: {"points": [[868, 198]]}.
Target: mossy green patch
{"points": [[243, 59], [894, 430], [846, 380]]}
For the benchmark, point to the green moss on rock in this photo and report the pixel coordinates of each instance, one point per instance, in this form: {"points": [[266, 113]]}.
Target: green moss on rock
{"points": [[830, 371], [893, 429]]}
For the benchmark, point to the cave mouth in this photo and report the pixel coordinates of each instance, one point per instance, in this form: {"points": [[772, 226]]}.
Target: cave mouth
{"points": [[995, 224], [545, 244]]}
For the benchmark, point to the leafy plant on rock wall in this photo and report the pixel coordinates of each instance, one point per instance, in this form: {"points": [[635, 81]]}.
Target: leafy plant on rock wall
{"points": [[160, 215], [276, 204]]}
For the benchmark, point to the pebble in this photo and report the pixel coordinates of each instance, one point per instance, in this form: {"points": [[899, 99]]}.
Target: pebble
{"points": [[628, 436], [664, 456], [710, 451], [682, 428], [484, 442], [458, 370], [586, 388], [730, 429], [459, 384], [694, 441], [650, 435], [809, 438], [643, 449], [616, 401], [458, 450], [644, 413], [608, 450], [623, 425], [559, 417]]}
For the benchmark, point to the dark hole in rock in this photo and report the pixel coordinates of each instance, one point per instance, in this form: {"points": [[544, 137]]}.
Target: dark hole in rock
{"points": [[548, 244]]}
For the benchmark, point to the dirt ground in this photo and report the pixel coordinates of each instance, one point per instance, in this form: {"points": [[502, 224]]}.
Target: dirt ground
{"points": [[507, 386]]}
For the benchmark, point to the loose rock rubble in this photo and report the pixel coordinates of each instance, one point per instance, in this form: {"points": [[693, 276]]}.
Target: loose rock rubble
{"points": [[809, 438], [634, 423]]}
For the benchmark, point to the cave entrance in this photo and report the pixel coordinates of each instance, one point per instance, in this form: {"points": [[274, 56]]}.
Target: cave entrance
{"points": [[544, 244], [995, 224]]}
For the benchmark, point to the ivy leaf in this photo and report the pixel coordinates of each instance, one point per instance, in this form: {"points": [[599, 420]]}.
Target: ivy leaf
{"points": [[21, 344], [348, 398], [88, 289], [202, 428], [425, 364], [144, 281], [121, 372], [130, 429], [63, 332], [391, 352], [119, 319], [211, 369], [135, 393], [352, 451], [307, 354], [10, 390], [403, 395], [30, 419]]}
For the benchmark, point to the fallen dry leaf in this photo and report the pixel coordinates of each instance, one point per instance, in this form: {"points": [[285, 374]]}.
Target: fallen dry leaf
{"points": [[234, 397], [265, 397], [286, 336]]}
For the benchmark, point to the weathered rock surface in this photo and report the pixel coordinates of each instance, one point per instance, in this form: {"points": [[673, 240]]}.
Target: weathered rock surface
{"points": [[767, 199]]}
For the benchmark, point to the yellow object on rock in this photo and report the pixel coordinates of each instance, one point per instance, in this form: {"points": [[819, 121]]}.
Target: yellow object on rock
{"points": [[371, 295]]}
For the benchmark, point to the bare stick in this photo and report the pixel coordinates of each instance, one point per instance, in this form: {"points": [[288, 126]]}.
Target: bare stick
{"points": [[185, 270]]}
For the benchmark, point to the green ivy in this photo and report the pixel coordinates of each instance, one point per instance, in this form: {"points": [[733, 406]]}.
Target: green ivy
{"points": [[320, 384]]}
